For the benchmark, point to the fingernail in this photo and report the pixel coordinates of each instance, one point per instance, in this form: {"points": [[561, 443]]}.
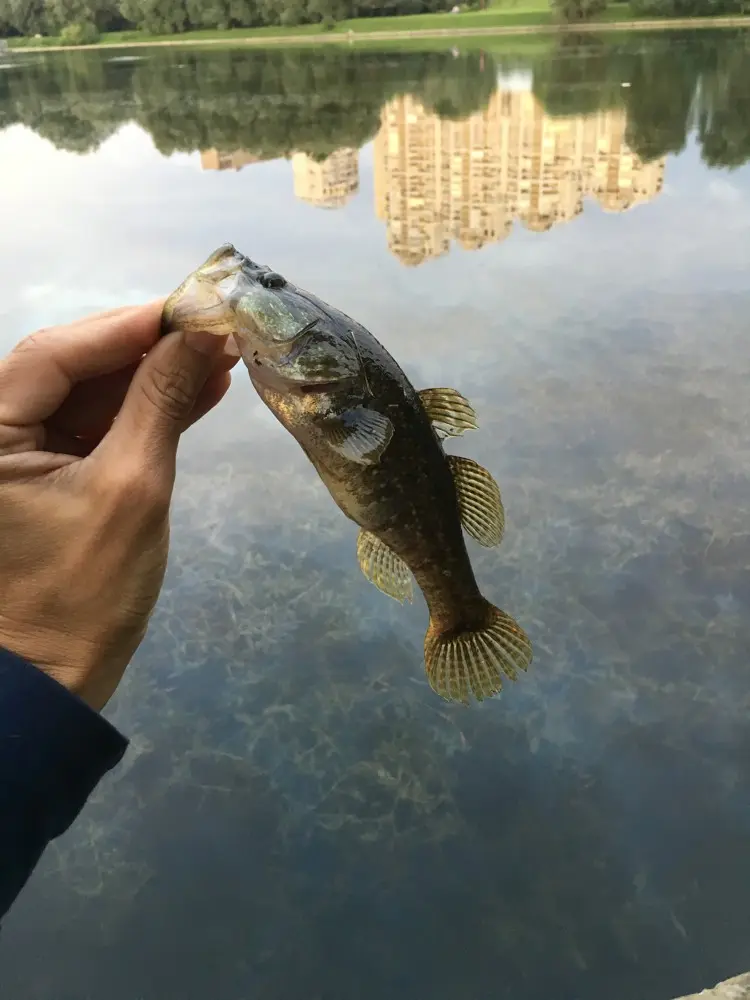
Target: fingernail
{"points": [[232, 348], [205, 342]]}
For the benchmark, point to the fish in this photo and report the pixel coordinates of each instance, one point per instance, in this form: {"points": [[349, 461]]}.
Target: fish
{"points": [[378, 446]]}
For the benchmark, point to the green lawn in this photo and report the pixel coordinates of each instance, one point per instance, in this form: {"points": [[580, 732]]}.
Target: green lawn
{"points": [[500, 14]]}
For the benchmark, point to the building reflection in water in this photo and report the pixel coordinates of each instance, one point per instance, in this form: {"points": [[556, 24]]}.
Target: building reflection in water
{"points": [[215, 159], [438, 181], [329, 183]]}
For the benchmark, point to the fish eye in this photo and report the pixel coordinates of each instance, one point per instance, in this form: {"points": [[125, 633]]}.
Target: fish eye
{"points": [[272, 279]]}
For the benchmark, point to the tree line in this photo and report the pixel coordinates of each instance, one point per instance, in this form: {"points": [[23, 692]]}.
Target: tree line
{"points": [[274, 101], [84, 20], [32, 17]]}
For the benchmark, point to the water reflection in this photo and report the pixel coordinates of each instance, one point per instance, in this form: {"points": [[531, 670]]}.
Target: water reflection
{"points": [[273, 102], [329, 183], [299, 814], [457, 156], [437, 180], [468, 180]]}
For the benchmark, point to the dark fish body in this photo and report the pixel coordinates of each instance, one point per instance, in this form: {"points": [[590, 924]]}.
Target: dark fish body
{"points": [[408, 498], [376, 444]]}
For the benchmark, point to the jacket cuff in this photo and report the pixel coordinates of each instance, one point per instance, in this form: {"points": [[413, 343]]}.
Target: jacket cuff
{"points": [[55, 747]]}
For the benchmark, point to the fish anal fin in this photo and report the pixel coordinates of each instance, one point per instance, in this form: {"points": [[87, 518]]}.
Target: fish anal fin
{"points": [[479, 500], [383, 567], [359, 434], [450, 412], [474, 661]]}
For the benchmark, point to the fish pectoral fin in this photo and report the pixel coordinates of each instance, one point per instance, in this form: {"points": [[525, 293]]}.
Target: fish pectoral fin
{"points": [[450, 412], [482, 512], [359, 434], [383, 567]]}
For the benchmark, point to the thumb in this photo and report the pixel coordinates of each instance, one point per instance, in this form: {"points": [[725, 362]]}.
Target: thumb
{"points": [[161, 397]]}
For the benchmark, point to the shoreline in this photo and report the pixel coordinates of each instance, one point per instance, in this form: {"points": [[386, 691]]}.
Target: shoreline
{"points": [[351, 38]]}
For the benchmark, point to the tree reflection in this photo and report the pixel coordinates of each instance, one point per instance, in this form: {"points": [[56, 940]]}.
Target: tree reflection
{"points": [[724, 109], [580, 78], [667, 83], [272, 102], [74, 102], [269, 101]]}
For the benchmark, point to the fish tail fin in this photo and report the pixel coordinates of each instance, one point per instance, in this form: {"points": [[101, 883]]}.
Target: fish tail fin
{"points": [[474, 659]]}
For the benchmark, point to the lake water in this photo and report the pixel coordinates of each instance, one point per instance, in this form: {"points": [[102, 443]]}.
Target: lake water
{"points": [[563, 236]]}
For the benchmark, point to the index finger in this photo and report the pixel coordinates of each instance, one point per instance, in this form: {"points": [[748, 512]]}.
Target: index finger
{"points": [[39, 373]]}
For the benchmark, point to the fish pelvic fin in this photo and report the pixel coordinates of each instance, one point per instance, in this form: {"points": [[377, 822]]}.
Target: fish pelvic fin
{"points": [[479, 500], [463, 661], [383, 567], [450, 412]]}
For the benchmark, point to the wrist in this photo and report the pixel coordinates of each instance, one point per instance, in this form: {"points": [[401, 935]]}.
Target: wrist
{"points": [[77, 664]]}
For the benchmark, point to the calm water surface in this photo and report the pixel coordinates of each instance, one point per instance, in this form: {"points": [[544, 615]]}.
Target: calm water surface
{"points": [[299, 816]]}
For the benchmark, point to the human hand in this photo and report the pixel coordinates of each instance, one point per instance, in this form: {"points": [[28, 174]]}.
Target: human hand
{"points": [[89, 430]]}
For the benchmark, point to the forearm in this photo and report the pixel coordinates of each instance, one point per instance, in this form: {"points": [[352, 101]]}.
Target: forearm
{"points": [[54, 750]]}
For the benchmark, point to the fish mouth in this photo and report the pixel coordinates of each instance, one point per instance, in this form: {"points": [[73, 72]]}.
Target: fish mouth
{"points": [[307, 388], [262, 375]]}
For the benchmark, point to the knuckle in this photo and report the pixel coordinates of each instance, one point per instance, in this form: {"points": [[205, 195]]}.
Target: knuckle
{"points": [[11, 366], [33, 341], [171, 392]]}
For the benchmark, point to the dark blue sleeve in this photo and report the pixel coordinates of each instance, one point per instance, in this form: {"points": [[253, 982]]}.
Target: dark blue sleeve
{"points": [[54, 749]]}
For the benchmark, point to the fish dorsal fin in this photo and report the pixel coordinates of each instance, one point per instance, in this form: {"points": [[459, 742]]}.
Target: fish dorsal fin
{"points": [[383, 567], [359, 434], [450, 412], [479, 500]]}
